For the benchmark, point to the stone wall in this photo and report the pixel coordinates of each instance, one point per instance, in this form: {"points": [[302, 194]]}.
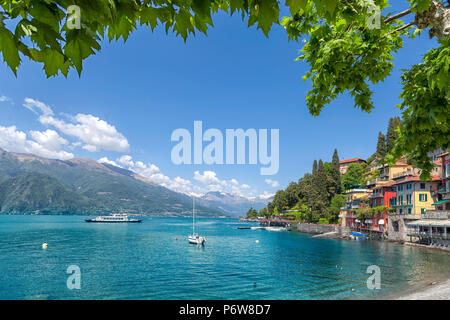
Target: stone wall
{"points": [[321, 228], [401, 232]]}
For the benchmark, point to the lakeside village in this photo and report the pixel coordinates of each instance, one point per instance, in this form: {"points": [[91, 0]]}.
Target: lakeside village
{"points": [[344, 197]]}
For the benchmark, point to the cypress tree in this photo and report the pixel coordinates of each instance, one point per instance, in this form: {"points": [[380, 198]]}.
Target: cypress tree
{"points": [[336, 173], [314, 170], [320, 185], [381, 145], [391, 134]]}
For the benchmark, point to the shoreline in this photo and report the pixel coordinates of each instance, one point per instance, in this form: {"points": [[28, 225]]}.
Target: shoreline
{"points": [[439, 290]]}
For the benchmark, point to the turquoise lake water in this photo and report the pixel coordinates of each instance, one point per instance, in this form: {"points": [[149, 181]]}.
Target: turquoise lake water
{"points": [[144, 261]]}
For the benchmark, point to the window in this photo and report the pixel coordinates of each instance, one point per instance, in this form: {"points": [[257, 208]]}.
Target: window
{"points": [[408, 199], [422, 186], [400, 211], [423, 197], [400, 188], [392, 189], [395, 225], [408, 186], [422, 211], [409, 210]]}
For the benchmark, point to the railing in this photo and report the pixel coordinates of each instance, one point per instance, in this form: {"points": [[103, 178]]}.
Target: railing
{"points": [[406, 215], [402, 174], [443, 189], [437, 214], [427, 235], [376, 195]]}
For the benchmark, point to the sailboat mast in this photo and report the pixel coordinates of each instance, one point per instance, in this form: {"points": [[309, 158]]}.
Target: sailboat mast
{"points": [[193, 215]]}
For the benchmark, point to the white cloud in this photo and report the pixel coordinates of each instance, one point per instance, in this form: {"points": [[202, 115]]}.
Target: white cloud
{"points": [[6, 99], [106, 160], [126, 161], [149, 171], [266, 195], [207, 178], [272, 183], [93, 133], [32, 105], [97, 134], [49, 139], [45, 144]]}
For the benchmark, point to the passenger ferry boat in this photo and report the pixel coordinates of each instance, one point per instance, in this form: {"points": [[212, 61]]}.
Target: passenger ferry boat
{"points": [[114, 218]]}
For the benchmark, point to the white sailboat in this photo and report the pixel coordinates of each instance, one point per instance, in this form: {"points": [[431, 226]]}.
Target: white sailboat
{"points": [[194, 238]]}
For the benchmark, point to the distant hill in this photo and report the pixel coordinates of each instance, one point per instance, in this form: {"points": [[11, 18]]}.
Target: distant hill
{"points": [[32, 184], [231, 204]]}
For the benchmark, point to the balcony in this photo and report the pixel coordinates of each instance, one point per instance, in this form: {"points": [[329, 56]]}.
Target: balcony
{"points": [[443, 190], [402, 174], [376, 195]]}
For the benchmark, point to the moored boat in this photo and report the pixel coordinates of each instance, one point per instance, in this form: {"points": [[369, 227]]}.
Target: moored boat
{"points": [[275, 228], [114, 218], [194, 238]]}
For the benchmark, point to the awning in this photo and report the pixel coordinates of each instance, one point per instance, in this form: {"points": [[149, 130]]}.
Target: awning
{"points": [[381, 221], [357, 221], [440, 202], [368, 221]]}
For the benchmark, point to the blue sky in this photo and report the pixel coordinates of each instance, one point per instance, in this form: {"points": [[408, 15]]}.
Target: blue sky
{"points": [[137, 93]]}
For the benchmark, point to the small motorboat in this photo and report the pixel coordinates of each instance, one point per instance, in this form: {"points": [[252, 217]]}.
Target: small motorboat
{"points": [[275, 229]]}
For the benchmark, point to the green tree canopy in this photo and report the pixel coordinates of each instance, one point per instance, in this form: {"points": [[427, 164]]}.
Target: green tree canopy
{"points": [[349, 46], [353, 176], [252, 213]]}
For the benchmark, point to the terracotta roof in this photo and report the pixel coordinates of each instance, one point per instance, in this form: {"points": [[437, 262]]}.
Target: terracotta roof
{"points": [[387, 184], [400, 164], [443, 155], [417, 178], [351, 160]]}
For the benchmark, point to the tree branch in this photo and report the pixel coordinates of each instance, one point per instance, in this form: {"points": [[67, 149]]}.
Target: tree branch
{"points": [[403, 27], [398, 15]]}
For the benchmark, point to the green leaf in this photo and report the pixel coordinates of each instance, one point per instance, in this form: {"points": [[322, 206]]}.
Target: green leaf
{"points": [[296, 5], [9, 49]]}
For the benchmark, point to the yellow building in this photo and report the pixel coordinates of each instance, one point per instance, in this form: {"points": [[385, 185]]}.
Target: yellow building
{"points": [[414, 196], [354, 200]]}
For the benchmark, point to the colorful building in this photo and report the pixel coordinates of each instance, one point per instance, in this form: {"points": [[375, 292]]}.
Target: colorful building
{"points": [[385, 173], [383, 196], [343, 164], [356, 199], [414, 198], [443, 192]]}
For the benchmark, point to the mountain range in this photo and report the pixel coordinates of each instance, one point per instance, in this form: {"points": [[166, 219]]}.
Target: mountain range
{"points": [[232, 204], [31, 184]]}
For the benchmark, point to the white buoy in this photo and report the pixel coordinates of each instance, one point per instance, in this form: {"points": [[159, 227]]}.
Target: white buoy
{"points": [[257, 241], [44, 245]]}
